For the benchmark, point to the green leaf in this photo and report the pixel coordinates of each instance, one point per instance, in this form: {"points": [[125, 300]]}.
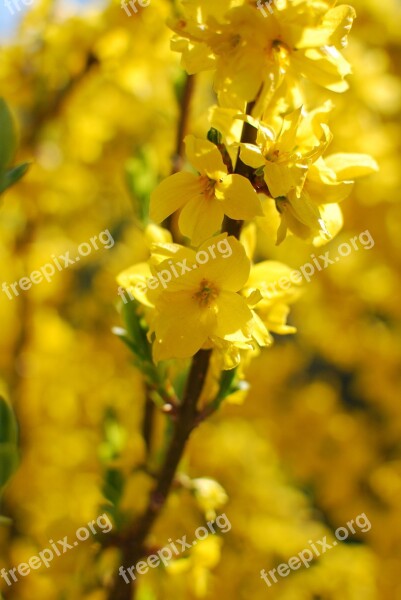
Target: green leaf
{"points": [[137, 331], [113, 486], [8, 136], [8, 442], [8, 178], [214, 136]]}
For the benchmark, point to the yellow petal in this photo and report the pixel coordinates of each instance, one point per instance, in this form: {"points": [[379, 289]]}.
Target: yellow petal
{"points": [[323, 189], [134, 280], [282, 178], [229, 273], [326, 67], [259, 331], [176, 252], [288, 133], [334, 29], [172, 193], [182, 327], [240, 201], [154, 234], [351, 166], [266, 272], [276, 320], [233, 314], [201, 218], [332, 216], [251, 156], [205, 157]]}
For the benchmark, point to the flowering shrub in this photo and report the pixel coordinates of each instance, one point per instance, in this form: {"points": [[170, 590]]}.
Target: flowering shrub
{"points": [[224, 182]]}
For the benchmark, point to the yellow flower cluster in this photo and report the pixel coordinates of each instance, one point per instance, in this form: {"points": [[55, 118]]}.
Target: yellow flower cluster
{"points": [[279, 156]]}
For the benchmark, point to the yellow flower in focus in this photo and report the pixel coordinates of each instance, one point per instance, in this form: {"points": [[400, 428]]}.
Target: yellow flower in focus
{"points": [[305, 186], [204, 198], [313, 214], [285, 156], [249, 47], [199, 306]]}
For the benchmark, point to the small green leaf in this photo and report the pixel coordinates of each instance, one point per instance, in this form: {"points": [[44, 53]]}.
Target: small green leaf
{"points": [[214, 136], [137, 331], [8, 136], [8, 178]]}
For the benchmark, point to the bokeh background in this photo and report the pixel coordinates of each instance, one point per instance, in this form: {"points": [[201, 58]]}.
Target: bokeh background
{"points": [[317, 440]]}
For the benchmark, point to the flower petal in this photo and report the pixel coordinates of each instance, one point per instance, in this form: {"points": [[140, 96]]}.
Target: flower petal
{"points": [[230, 273], [334, 29], [172, 193], [200, 219], [233, 315], [205, 157], [282, 178], [134, 280], [350, 166], [182, 328], [251, 156], [240, 201]]}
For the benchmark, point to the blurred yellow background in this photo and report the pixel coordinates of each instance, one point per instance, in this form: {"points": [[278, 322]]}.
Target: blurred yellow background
{"points": [[318, 438]]}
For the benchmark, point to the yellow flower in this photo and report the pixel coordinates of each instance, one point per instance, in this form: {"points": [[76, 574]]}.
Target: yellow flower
{"points": [[306, 187], [252, 49], [204, 198], [199, 306], [271, 288], [285, 156], [209, 494], [328, 182]]}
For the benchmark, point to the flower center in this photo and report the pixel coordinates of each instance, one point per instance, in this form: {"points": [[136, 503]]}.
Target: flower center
{"points": [[208, 186], [206, 294], [281, 54]]}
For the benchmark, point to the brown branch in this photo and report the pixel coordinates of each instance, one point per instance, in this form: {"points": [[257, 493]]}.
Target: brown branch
{"points": [[147, 423], [248, 136], [183, 123], [132, 541]]}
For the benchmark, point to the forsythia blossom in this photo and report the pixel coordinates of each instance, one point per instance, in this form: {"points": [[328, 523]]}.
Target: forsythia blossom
{"points": [[206, 197], [266, 151], [248, 51]]}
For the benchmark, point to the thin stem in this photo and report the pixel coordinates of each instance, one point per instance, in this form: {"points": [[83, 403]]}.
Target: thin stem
{"points": [[147, 424], [248, 136], [183, 123], [132, 541]]}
